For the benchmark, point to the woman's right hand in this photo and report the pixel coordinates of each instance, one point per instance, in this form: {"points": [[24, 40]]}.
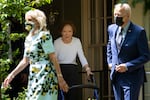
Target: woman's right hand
{"points": [[7, 80], [62, 84]]}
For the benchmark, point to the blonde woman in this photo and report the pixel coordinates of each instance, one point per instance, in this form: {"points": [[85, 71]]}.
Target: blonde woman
{"points": [[45, 73]]}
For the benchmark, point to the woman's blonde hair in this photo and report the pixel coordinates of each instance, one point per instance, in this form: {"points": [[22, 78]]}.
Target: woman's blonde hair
{"points": [[39, 16]]}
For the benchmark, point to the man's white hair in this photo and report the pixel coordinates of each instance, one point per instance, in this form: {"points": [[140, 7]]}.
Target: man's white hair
{"points": [[125, 6]]}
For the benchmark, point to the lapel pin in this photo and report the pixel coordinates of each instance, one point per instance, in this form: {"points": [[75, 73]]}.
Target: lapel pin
{"points": [[129, 30]]}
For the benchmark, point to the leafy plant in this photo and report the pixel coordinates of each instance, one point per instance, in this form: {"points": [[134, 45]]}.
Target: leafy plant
{"points": [[4, 67], [21, 95], [3, 95], [6, 63], [16, 8]]}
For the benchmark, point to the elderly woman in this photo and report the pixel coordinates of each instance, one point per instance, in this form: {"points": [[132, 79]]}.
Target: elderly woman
{"points": [[68, 48], [45, 73]]}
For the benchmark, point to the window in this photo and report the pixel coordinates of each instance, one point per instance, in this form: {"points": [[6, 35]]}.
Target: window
{"points": [[96, 16]]}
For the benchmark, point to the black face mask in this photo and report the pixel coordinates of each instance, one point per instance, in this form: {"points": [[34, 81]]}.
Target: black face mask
{"points": [[119, 21]]}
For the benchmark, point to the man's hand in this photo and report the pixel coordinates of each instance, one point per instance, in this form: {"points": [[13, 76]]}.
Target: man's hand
{"points": [[121, 68]]}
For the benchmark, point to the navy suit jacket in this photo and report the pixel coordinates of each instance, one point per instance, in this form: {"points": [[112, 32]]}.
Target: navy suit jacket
{"points": [[134, 52]]}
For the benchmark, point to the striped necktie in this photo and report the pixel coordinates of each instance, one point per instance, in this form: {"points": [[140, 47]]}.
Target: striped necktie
{"points": [[119, 39]]}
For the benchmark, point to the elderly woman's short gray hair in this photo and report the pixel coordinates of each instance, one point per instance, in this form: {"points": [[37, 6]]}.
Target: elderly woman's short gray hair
{"points": [[39, 16]]}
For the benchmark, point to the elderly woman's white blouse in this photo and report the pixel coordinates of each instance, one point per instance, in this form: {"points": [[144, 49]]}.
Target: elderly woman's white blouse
{"points": [[67, 53]]}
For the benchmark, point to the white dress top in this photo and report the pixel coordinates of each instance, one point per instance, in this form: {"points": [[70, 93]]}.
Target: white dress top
{"points": [[67, 53]]}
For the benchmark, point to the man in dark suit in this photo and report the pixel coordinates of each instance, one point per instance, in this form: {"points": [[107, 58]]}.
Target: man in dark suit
{"points": [[127, 52]]}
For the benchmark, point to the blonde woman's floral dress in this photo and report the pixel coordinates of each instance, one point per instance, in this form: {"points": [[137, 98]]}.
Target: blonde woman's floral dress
{"points": [[42, 84]]}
